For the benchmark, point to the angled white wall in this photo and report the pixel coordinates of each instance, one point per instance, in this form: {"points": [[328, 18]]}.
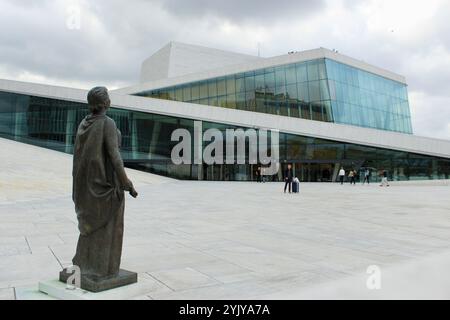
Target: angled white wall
{"points": [[178, 59], [157, 66]]}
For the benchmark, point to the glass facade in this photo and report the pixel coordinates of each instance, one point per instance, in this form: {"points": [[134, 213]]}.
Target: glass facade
{"points": [[296, 90], [364, 99], [322, 90], [147, 145]]}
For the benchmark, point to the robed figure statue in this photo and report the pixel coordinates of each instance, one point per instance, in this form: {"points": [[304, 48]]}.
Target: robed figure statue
{"points": [[99, 182]]}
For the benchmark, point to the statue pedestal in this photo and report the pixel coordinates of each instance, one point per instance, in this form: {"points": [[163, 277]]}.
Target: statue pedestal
{"points": [[55, 289], [93, 284]]}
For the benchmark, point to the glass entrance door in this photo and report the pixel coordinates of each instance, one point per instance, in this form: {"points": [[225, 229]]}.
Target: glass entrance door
{"points": [[314, 172]]}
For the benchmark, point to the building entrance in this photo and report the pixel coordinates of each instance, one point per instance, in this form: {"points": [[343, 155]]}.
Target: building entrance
{"points": [[314, 172], [326, 171]]}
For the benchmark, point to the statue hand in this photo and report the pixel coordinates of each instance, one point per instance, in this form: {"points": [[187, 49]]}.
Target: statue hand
{"points": [[133, 192]]}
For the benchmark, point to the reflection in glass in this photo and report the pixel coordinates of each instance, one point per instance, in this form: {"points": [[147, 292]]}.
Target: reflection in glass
{"points": [[146, 142], [344, 94]]}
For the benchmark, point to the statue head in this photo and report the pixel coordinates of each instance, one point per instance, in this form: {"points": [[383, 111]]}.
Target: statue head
{"points": [[98, 100]]}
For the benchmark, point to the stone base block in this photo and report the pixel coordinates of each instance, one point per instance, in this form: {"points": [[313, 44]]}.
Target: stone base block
{"points": [[55, 289], [94, 284]]}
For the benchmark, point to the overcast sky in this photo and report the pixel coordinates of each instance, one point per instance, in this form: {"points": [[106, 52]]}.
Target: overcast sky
{"points": [[43, 41]]}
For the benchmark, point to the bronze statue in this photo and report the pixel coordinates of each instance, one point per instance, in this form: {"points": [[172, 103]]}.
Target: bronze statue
{"points": [[99, 182]]}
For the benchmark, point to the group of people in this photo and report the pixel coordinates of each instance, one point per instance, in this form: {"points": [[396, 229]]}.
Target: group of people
{"points": [[367, 174], [291, 182], [351, 175]]}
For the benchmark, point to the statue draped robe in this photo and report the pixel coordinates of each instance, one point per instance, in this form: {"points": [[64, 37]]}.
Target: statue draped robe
{"points": [[99, 181]]}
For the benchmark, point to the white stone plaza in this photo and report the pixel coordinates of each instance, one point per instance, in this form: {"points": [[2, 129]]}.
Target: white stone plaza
{"points": [[231, 240]]}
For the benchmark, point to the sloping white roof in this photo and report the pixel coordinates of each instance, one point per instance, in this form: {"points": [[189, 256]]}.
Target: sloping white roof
{"points": [[178, 59], [310, 128]]}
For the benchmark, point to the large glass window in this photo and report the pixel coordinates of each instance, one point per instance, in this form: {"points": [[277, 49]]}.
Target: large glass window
{"points": [[240, 83], [343, 94], [212, 88], [367, 100], [280, 76], [203, 90], [269, 78], [221, 87], [231, 85], [314, 91], [302, 72], [187, 93], [313, 70], [291, 74]]}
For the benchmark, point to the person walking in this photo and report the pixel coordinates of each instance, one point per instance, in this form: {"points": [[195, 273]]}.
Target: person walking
{"points": [[258, 174], [351, 175], [341, 175], [288, 178], [366, 176], [384, 178]]}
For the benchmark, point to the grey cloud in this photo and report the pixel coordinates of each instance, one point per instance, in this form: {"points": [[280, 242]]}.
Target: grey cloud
{"points": [[125, 34], [264, 12], [38, 41], [116, 36]]}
